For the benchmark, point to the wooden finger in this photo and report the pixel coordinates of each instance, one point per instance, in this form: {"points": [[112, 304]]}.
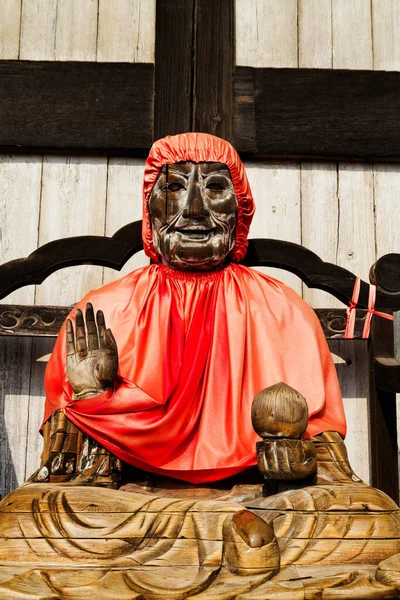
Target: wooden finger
{"points": [[70, 338], [80, 339], [109, 340], [91, 328], [101, 327], [271, 456]]}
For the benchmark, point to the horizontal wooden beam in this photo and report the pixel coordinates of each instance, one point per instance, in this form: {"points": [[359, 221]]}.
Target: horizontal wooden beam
{"points": [[318, 113], [76, 107], [86, 107]]}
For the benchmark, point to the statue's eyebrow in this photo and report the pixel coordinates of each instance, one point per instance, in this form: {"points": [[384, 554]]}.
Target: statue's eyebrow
{"points": [[173, 171], [215, 168]]}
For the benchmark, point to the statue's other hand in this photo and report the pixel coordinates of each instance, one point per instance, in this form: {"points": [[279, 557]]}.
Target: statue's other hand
{"points": [[284, 458], [92, 354]]}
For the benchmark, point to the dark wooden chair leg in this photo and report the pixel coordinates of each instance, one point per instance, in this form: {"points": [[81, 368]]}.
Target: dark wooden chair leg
{"points": [[383, 423]]}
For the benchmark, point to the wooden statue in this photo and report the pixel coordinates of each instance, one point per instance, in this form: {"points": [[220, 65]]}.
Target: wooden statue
{"points": [[169, 524]]}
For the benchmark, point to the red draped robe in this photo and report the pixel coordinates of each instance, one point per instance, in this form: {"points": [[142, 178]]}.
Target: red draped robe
{"points": [[194, 349]]}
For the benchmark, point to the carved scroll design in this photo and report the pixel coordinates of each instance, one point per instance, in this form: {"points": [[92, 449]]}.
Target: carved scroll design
{"points": [[333, 322], [16, 318], [31, 320]]}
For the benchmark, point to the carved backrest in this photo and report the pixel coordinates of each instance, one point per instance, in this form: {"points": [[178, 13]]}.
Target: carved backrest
{"points": [[115, 251]]}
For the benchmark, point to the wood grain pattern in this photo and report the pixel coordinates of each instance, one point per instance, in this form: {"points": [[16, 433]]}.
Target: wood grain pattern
{"points": [[15, 360], [319, 220], [351, 34], [124, 205], [76, 30], [213, 101], [351, 361], [108, 31], [10, 28], [317, 113], [64, 183], [72, 99], [386, 55], [386, 32], [126, 30], [355, 250], [20, 177], [41, 350], [276, 189], [173, 68], [315, 34], [20, 183], [266, 33], [162, 543], [38, 30]]}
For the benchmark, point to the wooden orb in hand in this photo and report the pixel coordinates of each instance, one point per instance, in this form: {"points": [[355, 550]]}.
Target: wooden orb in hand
{"points": [[279, 411]]}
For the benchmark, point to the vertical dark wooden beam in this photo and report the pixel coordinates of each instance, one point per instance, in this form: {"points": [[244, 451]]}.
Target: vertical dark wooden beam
{"points": [[383, 428], [214, 63], [173, 67]]}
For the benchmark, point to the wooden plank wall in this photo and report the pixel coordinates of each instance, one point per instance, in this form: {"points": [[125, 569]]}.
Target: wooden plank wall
{"points": [[347, 213], [46, 197]]}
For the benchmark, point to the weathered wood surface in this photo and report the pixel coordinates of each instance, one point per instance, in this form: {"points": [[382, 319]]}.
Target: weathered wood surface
{"points": [[107, 31], [124, 194], [214, 61], [266, 33], [147, 544], [282, 113], [276, 191], [322, 113], [72, 100], [10, 28], [173, 68], [126, 31], [318, 34]]}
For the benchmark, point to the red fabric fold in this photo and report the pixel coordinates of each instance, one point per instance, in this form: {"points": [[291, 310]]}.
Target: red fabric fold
{"points": [[192, 358]]}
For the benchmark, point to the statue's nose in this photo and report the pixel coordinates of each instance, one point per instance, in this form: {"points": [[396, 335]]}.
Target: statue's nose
{"points": [[195, 207]]}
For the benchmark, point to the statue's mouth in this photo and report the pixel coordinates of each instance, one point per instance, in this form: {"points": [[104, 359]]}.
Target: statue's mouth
{"points": [[195, 233]]}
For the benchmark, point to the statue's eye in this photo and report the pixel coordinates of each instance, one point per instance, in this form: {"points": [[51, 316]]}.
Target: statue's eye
{"points": [[215, 187], [174, 186]]}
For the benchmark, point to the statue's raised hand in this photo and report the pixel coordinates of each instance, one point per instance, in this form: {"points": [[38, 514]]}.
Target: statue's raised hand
{"points": [[92, 354]]}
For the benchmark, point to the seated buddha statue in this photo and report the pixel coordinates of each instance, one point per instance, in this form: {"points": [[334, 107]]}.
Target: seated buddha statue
{"points": [[149, 486]]}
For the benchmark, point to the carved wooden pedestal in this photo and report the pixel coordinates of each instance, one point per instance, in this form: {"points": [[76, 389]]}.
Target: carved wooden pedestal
{"points": [[342, 537], [324, 536]]}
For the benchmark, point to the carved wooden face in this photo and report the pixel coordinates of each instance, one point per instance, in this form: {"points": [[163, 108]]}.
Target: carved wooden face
{"points": [[193, 210]]}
